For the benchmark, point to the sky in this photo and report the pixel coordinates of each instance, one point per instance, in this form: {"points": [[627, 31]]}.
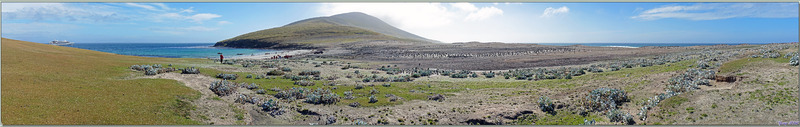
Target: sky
{"points": [[445, 22]]}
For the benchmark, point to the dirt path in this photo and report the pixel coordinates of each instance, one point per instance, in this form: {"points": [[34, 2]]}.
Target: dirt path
{"points": [[210, 108]]}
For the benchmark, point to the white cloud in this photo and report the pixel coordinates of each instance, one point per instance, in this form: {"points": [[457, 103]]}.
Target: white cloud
{"points": [[484, 13], [415, 15], [405, 15], [13, 7], [60, 12], [223, 22], [189, 10], [715, 11], [198, 18], [36, 28], [161, 13], [439, 21], [550, 11], [148, 7], [162, 5], [151, 6], [468, 7], [198, 28], [181, 30], [203, 17]]}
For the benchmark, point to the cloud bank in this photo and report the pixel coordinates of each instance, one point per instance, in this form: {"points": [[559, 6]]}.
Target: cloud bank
{"points": [[720, 11], [550, 11]]}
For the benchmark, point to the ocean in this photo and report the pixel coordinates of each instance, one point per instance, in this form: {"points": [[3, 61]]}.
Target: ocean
{"points": [[169, 50], [204, 50]]}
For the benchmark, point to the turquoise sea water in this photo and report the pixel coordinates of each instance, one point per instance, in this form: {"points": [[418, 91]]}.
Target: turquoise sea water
{"points": [[169, 50]]}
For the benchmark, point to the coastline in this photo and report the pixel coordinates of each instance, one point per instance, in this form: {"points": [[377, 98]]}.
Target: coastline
{"points": [[267, 55]]}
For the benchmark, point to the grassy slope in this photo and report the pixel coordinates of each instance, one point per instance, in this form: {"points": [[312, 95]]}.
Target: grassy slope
{"points": [[735, 65], [310, 32], [44, 84]]}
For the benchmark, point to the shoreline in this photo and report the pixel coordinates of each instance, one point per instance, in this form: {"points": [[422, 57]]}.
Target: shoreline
{"points": [[264, 55]]}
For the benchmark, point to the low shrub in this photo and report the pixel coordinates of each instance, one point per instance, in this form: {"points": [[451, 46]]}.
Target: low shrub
{"points": [[546, 105], [275, 72], [322, 96], [222, 88], [251, 86], [602, 99], [617, 116], [304, 83], [355, 104], [309, 73], [349, 95], [153, 71], [437, 97], [192, 70], [372, 99], [374, 91], [227, 76], [272, 107], [294, 93]]}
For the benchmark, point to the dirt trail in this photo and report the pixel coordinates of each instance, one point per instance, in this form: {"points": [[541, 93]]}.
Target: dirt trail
{"points": [[209, 109]]}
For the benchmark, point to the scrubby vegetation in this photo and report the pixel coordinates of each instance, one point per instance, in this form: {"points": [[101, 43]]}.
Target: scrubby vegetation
{"points": [[546, 105], [152, 70], [188, 70], [223, 87], [227, 76], [603, 99], [321, 96]]}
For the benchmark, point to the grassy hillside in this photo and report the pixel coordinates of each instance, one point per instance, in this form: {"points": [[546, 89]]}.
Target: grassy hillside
{"points": [[364, 21], [322, 32], [303, 35], [45, 84]]}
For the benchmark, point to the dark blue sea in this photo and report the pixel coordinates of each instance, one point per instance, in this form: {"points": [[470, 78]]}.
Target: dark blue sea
{"points": [[168, 50]]}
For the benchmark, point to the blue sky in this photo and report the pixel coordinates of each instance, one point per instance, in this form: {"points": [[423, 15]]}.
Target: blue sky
{"points": [[446, 22]]}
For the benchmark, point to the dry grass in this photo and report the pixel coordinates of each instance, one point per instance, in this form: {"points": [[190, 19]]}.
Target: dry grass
{"points": [[45, 84]]}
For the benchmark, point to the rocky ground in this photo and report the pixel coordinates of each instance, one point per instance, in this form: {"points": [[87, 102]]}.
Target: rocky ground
{"points": [[765, 89]]}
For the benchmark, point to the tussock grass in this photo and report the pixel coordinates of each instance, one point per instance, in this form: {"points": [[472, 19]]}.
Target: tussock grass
{"points": [[45, 84]]}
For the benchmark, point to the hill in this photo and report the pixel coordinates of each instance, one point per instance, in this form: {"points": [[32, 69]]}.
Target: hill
{"points": [[46, 85], [322, 32]]}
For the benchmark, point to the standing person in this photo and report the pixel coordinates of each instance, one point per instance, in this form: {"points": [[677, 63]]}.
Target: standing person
{"points": [[220, 58]]}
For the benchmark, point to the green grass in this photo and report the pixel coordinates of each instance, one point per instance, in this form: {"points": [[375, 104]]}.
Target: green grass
{"points": [[773, 97], [736, 65], [238, 114], [673, 102], [576, 81], [561, 118], [49, 85], [690, 109], [402, 89]]}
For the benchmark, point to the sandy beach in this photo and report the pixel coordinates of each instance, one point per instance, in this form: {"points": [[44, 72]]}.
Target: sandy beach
{"points": [[269, 55]]}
